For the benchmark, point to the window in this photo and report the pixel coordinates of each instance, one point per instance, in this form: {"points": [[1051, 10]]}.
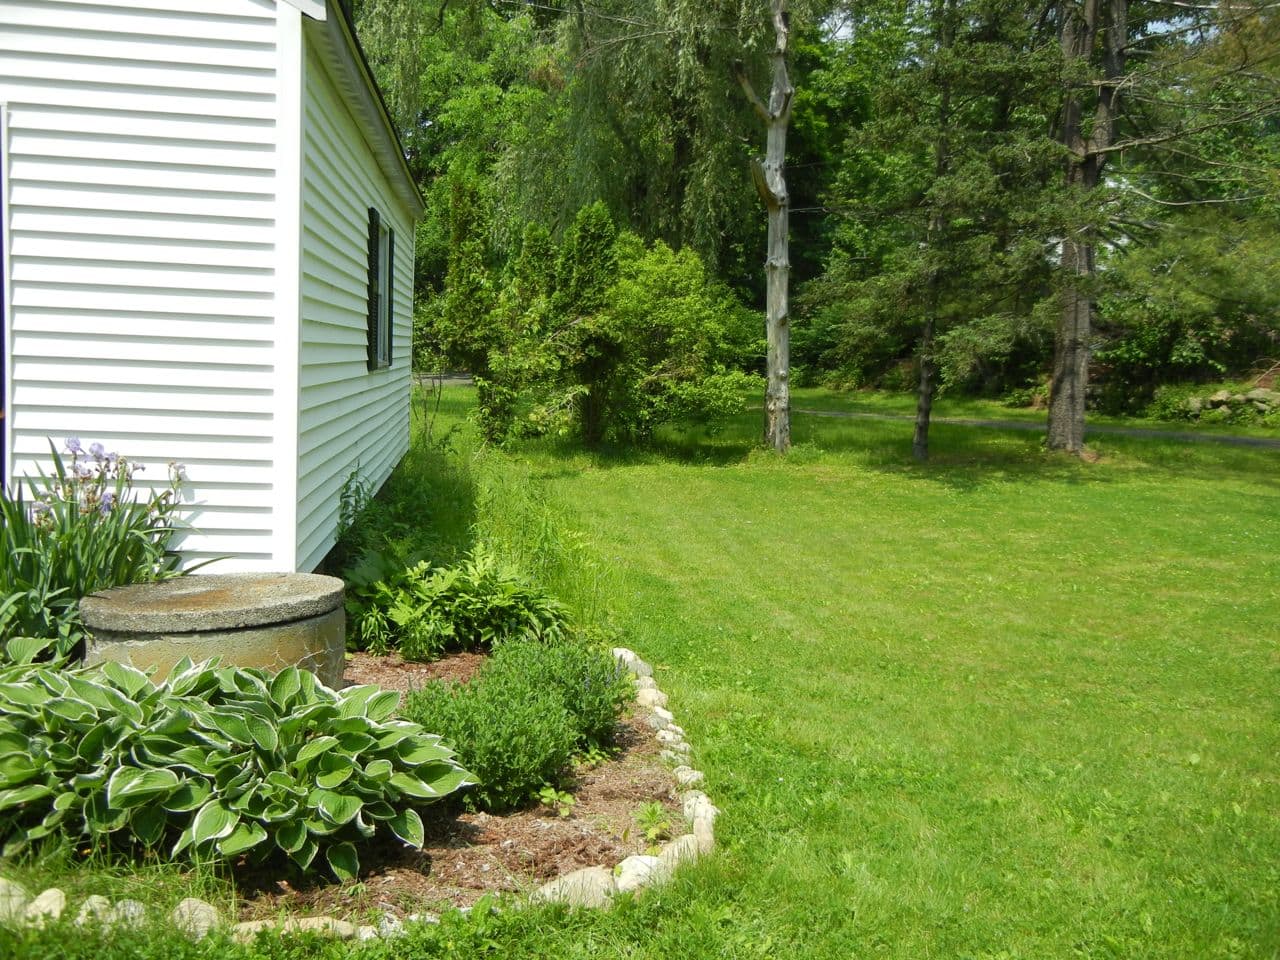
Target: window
{"points": [[382, 258]]}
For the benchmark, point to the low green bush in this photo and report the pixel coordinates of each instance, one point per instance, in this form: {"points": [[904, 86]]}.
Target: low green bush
{"points": [[590, 681], [424, 611], [513, 734], [82, 530], [216, 762]]}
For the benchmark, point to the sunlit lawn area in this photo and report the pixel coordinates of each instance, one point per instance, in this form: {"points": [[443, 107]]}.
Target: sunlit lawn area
{"points": [[1000, 706], [1003, 705]]}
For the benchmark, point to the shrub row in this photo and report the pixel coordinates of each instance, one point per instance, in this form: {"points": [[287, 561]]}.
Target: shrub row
{"points": [[217, 762], [520, 719]]}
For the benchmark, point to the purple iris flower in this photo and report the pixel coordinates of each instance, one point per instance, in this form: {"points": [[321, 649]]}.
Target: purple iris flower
{"points": [[97, 450], [73, 445], [108, 498]]}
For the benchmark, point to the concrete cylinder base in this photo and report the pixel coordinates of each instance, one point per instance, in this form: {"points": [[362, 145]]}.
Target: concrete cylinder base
{"points": [[270, 621]]}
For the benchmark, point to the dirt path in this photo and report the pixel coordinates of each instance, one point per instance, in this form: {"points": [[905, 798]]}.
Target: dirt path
{"points": [[1185, 435]]}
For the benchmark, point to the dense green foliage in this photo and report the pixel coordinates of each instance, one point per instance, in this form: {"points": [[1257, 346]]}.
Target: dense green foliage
{"points": [[517, 722], [213, 763], [83, 529], [601, 336], [423, 611], [926, 168]]}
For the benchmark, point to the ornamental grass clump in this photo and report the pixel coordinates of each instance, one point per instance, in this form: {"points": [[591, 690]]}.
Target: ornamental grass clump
{"points": [[216, 763], [82, 529]]}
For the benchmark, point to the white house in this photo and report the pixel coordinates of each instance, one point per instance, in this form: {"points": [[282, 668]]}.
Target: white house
{"points": [[207, 257]]}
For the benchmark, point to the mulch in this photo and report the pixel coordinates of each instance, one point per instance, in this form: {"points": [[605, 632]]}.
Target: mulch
{"points": [[467, 855]]}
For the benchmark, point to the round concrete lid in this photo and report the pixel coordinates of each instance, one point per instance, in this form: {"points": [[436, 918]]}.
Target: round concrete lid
{"points": [[212, 602]]}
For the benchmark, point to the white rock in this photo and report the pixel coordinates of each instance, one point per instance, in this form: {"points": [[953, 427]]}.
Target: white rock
{"points": [[128, 914], [247, 931], [588, 887], [13, 901], [680, 851], [675, 729], [389, 925], [670, 737], [697, 804], [656, 722], [673, 758], [48, 906], [95, 911], [651, 697], [195, 918], [704, 833], [631, 662], [366, 933], [645, 683], [665, 714], [421, 918], [640, 871], [688, 777], [323, 926]]}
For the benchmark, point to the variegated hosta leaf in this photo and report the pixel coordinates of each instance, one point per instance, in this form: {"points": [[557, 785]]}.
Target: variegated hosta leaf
{"points": [[222, 762]]}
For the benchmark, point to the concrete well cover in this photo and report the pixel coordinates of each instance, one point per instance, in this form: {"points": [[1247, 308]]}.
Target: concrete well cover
{"points": [[212, 602]]}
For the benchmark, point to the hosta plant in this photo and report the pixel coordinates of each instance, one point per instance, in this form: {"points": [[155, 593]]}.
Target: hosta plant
{"points": [[216, 762]]}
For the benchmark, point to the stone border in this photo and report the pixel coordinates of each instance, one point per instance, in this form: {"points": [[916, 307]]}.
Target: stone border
{"points": [[597, 886], [593, 887]]}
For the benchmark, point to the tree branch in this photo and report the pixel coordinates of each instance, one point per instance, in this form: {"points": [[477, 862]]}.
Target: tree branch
{"points": [[740, 72]]}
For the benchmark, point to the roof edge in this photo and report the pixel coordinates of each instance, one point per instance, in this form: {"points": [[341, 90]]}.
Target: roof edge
{"points": [[338, 34]]}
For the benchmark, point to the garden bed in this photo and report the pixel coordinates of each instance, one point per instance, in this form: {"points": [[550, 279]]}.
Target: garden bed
{"points": [[467, 855]]}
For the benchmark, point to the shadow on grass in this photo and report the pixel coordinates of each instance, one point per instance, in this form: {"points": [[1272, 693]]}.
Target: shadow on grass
{"points": [[963, 457]]}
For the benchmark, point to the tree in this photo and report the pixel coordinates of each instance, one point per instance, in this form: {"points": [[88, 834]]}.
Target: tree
{"points": [[1126, 73], [769, 177]]}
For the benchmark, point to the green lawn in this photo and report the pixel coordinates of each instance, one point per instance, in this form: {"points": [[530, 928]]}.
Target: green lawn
{"points": [[1004, 705], [979, 408]]}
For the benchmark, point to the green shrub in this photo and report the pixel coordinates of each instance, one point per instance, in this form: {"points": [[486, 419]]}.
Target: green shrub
{"points": [[593, 686], [215, 761], [512, 734], [82, 530], [424, 611]]}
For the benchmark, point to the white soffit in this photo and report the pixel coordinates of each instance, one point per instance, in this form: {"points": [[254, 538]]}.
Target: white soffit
{"points": [[337, 46], [315, 9]]}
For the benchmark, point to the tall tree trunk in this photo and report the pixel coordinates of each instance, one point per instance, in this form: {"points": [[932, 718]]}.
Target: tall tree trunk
{"points": [[924, 399], [1088, 146], [944, 27], [771, 184]]}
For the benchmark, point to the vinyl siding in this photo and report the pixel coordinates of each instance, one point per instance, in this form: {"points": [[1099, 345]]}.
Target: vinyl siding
{"points": [[142, 166], [349, 417]]}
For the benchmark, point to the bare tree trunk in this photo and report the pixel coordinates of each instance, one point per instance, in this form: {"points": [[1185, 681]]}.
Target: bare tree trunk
{"points": [[772, 185], [1089, 146]]}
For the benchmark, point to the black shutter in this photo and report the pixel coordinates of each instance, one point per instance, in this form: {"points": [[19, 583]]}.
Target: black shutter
{"points": [[391, 290], [374, 226]]}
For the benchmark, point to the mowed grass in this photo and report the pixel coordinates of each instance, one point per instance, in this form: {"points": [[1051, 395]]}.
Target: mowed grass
{"points": [[1003, 705]]}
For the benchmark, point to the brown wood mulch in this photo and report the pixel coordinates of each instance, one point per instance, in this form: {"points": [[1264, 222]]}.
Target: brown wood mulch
{"points": [[470, 854]]}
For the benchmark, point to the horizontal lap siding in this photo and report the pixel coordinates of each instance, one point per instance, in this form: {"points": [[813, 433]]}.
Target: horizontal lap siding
{"points": [[141, 210], [349, 417]]}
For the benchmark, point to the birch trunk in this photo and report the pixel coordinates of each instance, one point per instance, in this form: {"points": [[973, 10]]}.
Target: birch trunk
{"points": [[770, 181]]}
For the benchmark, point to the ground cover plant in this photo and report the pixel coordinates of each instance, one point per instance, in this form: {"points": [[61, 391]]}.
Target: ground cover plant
{"points": [[1005, 705], [422, 610], [214, 763]]}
